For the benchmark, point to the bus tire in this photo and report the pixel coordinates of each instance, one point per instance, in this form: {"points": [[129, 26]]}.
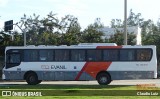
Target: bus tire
{"points": [[32, 79], [103, 78]]}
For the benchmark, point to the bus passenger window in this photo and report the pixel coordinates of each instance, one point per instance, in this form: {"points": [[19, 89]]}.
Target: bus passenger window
{"points": [[144, 55], [94, 55], [46, 55], [61, 55], [110, 55], [127, 55], [30, 55], [77, 55]]}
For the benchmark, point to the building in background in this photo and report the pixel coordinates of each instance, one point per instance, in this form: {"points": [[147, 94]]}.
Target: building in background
{"points": [[134, 29]]}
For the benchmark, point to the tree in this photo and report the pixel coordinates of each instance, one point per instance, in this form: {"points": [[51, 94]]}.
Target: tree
{"points": [[92, 34], [50, 23], [40, 31], [51, 30], [73, 33], [1, 37], [116, 23], [17, 39], [31, 25], [134, 19], [6, 39], [146, 28], [117, 38]]}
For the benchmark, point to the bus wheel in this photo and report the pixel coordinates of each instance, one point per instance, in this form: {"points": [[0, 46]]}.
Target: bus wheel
{"points": [[32, 79], [103, 78]]}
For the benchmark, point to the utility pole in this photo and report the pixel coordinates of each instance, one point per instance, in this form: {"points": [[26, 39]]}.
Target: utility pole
{"points": [[8, 25], [125, 22], [24, 31], [24, 37]]}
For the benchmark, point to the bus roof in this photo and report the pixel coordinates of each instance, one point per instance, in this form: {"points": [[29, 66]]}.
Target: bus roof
{"points": [[80, 46]]}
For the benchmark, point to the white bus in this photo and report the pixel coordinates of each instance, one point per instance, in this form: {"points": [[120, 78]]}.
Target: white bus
{"points": [[86, 61]]}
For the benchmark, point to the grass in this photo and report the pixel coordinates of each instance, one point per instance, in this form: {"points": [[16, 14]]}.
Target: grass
{"points": [[85, 97], [71, 87], [79, 91]]}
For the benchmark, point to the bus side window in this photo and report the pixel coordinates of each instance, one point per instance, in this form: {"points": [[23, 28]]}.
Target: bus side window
{"points": [[94, 55], [127, 55], [46, 55], [30, 55], [77, 55], [61, 55], [110, 55], [144, 55]]}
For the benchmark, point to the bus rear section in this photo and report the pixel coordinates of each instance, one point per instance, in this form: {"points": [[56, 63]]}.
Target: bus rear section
{"points": [[103, 63]]}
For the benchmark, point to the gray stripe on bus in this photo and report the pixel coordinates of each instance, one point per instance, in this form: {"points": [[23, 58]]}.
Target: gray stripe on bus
{"points": [[71, 75]]}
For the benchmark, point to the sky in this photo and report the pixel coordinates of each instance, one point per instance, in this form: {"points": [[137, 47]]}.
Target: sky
{"points": [[85, 10]]}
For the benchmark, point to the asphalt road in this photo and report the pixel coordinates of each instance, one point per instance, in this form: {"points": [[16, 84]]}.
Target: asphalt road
{"points": [[155, 82]]}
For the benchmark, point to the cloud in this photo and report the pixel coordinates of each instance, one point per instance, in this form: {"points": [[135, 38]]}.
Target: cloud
{"points": [[3, 3], [148, 8], [74, 7]]}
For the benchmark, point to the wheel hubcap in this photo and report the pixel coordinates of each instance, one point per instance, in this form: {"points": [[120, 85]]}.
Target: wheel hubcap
{"points": [[32, 79], [103, 79]]}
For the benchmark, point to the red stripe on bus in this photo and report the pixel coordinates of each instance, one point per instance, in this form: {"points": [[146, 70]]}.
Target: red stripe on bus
{"points": [[93, 68], [108, 47], [80, 73]]}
